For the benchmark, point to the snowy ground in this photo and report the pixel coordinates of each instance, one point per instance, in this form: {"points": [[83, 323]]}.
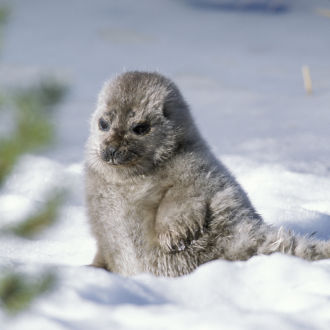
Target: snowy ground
{"points": [[241, 73]]}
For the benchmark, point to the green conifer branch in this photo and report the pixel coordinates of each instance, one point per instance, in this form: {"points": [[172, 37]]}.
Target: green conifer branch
{"points": [[17, 291]]}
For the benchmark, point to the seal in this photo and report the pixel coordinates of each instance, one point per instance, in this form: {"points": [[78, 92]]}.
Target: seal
{"points": [[158, 200]]}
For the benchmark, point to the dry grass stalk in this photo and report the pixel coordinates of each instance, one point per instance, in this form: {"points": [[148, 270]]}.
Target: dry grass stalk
{"points": [[307, 79]]}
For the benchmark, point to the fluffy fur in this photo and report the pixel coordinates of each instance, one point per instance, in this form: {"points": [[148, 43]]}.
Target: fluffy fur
{"points": [[158, 200]]}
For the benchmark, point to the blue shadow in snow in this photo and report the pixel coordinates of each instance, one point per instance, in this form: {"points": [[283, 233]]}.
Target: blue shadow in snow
{"points": [[122, 291], [260, 6], [318, 228]]}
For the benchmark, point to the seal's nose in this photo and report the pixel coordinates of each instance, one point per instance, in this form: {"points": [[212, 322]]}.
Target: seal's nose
{"points": [[108, 153]]}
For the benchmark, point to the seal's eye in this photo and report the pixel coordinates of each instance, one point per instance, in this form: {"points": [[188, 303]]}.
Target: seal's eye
{"points": [[103, 125], [141, 129]]}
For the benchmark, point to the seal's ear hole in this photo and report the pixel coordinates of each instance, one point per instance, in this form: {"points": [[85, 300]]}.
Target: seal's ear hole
{"points": [[166, 111]]}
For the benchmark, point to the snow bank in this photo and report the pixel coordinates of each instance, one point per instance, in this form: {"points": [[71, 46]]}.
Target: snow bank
{"points": [[273, 292]]}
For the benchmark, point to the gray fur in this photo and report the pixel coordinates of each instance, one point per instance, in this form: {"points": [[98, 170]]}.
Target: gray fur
{"points": [[162, 203]]}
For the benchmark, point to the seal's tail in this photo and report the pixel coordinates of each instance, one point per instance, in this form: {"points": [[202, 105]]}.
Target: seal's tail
{"points": [[285, 241]]}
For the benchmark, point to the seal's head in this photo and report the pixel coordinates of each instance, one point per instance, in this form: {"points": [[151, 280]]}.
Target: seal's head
{"points": [[140, 120]]}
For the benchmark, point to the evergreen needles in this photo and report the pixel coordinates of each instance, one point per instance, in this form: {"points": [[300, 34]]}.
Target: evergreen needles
{"points": [[30, 110]]}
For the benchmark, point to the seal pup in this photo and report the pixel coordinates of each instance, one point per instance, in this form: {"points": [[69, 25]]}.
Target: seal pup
{"points": [[158, 200]]}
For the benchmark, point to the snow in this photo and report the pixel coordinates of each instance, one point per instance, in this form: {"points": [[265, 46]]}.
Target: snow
{"points": [[241, 73]]}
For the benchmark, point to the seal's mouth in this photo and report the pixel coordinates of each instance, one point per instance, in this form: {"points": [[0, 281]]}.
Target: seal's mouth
{"points": [[119, 157]]}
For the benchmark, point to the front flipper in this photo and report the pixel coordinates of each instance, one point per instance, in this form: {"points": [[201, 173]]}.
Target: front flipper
{"points": [[180, 220]]}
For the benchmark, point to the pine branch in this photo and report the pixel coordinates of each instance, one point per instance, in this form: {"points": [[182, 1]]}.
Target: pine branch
{"points": [[17, 291], [4, 14], [39, 221], [33, 129]]}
